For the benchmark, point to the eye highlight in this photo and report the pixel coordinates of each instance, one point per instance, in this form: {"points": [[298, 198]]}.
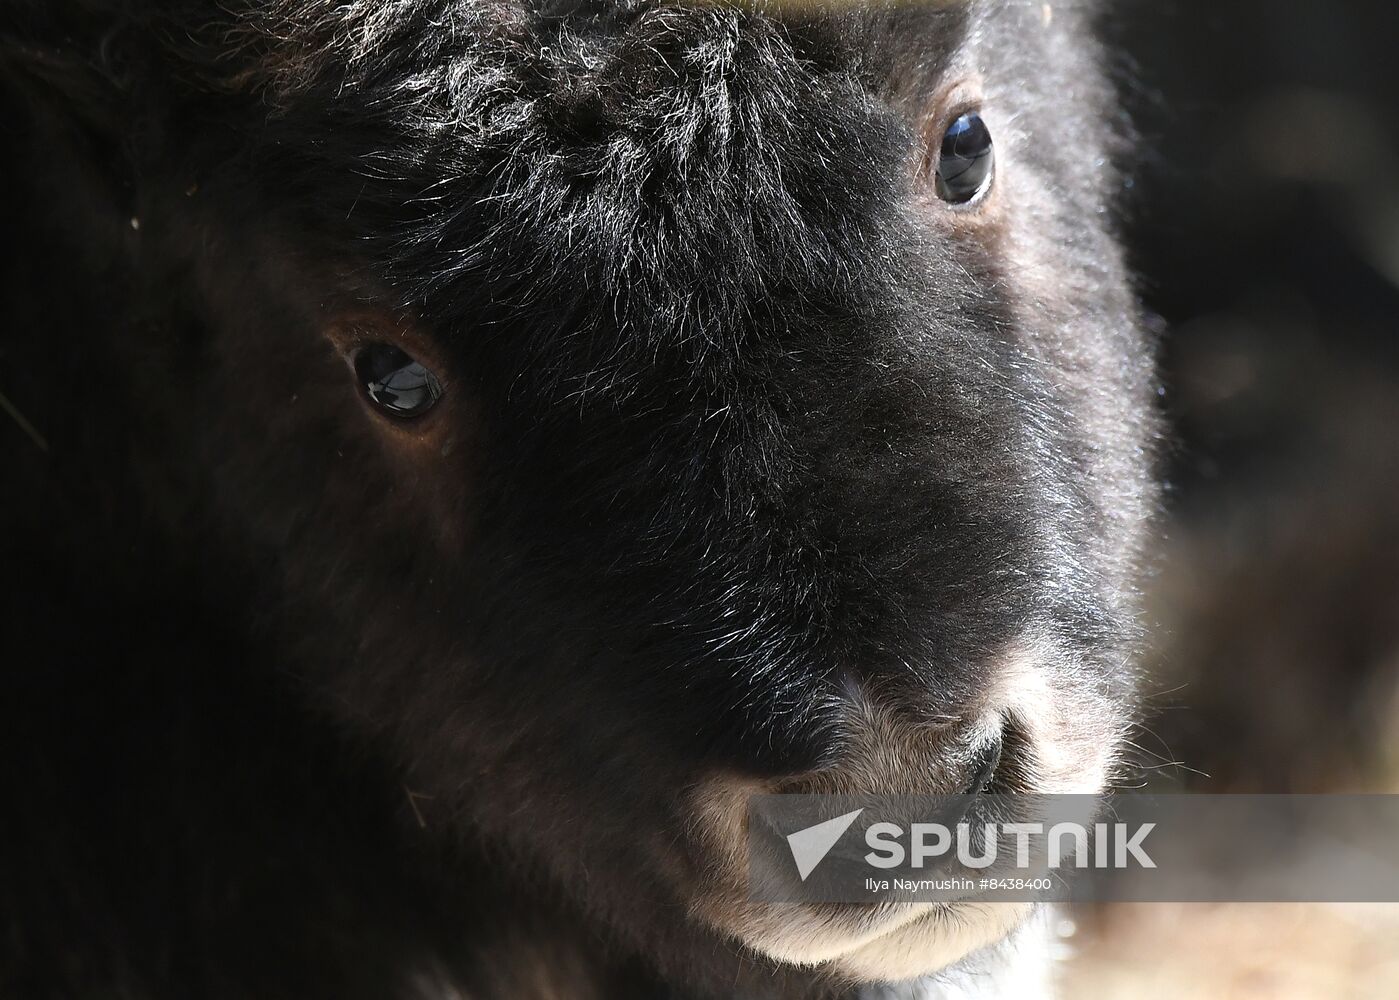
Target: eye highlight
{"points": [[966, 160], [395, 383]]}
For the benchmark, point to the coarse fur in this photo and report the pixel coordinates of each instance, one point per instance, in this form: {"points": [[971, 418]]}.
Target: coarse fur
{"points": [[758, 467]]}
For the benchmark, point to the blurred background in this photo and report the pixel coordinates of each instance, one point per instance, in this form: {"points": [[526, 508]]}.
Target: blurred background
{"points": [[1264, 220]]}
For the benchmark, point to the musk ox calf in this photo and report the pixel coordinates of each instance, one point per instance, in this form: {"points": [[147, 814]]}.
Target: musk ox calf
{"points": [[457, 450]]}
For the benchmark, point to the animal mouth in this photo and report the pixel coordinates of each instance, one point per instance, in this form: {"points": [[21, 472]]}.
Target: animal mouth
{"points": [[887, 941], [894, 938], [934, 936], [1033, 733]]}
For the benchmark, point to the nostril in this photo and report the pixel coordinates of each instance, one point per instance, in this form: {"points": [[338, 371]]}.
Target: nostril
{"points": [[1015, 774], [982, 768]]}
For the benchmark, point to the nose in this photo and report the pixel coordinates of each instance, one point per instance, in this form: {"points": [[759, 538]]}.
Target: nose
{"points": [[886, 750]]}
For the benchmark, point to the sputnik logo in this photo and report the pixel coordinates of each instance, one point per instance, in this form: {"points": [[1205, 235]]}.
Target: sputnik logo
{"points": [[811, 845]]}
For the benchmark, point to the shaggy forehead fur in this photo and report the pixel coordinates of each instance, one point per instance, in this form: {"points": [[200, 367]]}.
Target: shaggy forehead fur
{"points": [[670, 177]]}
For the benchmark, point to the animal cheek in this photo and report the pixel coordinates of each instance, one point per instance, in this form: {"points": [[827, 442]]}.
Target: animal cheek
{"points": [[432, 480]]}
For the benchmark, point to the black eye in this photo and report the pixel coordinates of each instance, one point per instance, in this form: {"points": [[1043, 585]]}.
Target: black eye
{"points": [[966, 160], [394, 382]]}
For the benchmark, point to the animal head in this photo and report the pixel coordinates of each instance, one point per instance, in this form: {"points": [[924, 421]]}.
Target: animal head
{"points": [[618, 409]]}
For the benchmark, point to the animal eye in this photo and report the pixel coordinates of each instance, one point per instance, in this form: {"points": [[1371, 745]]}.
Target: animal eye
{"points": [[394, 382], [966, 160]]}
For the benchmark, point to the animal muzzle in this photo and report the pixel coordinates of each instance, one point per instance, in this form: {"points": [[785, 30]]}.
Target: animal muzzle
{"points": [[1033, 731]]}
